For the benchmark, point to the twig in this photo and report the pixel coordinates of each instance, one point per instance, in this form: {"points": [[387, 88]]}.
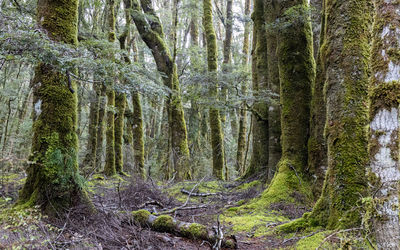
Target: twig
{"points": [[186, 202], [337, 232]]}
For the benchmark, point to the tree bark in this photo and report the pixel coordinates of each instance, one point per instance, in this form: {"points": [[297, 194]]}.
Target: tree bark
{"points": [[346, 53], [53, 180], [109, 168], [274, 110], [384, 172], [241, 145], [317, 148], [214, 115], [260, 153]]}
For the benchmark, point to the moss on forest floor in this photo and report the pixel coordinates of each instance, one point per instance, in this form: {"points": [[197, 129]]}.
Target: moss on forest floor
{"points": [[239, 206]]}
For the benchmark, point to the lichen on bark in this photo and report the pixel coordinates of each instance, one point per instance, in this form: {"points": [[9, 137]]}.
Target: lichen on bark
{"points": [[384, 100]]}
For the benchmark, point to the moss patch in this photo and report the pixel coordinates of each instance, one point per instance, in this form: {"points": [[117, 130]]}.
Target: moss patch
{"points": [[141, 216], [164, 223]]}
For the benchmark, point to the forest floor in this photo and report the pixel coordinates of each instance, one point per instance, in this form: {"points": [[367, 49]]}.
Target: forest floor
{"points": [[112, 226]]}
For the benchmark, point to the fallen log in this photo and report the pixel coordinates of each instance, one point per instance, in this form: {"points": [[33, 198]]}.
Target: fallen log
{"points": [[167, 224]]}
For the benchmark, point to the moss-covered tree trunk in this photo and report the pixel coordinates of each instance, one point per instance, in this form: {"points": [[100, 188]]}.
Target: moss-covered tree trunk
{"points": [[384, 123], [260, 153], [100, 127], [120, 106], [241, 144], [317, 148], [109, 168], [150, 29], [274, 110], [217, 142], [346, 53], [53, 180], [296, 73], [90, 159]]}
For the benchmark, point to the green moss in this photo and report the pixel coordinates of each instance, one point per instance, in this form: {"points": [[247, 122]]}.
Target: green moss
{"points": [[256, 223], [141, 216], [195, 231], [313, 242], [164, 223]]}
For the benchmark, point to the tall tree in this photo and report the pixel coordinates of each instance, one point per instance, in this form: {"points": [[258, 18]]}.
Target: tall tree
{"points": [[296, 74], [214, 115], [384, 123], [347, 35], [151, 31], [109, 168], [241, 147], [260, 154], [53, 179]]}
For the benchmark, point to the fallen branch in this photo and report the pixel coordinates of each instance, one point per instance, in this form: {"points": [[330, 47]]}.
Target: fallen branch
{"points": [[337, 232], [167, 224], [148, 203], [184, 191]]}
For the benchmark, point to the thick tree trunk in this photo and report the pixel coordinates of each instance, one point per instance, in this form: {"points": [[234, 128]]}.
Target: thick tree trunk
{"points": [[215, 119], [384, 145], [53, 179], [346, 53], [150, 29], [297, 72]]}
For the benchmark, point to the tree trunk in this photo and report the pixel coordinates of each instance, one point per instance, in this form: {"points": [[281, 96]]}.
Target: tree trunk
{"points": [[297, 72], [260, 154], [53, 179], [317, 148], [100, 126], [346, 53], [215, 119], [109, 168], [90, 159], [150, 29], [241, 146], [384, 145], [274, 111]]}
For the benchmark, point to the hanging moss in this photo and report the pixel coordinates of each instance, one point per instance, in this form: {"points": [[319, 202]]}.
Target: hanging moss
{"points": [[214, 115]]}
